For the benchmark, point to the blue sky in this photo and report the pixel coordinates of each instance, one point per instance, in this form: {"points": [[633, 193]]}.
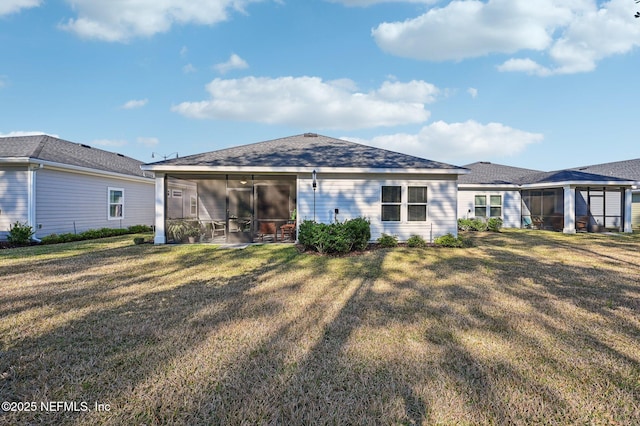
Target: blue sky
{"points": [[543, 84]]}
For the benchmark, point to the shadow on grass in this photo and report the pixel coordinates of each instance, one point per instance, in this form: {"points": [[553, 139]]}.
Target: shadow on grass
{"points": [[176, 335]]}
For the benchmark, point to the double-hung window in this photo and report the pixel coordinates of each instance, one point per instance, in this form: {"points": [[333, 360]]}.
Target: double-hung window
{"points": [[493, 209], [417, 204], [394, 206], [193, 206], [391, 202], [116, 203]]}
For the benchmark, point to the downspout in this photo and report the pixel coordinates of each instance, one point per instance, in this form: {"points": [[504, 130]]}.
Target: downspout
{"points": [[31, 200]]}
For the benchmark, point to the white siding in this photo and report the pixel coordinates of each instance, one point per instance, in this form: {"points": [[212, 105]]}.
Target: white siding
{"points": [[635, 210], [360, 196], [511, 205], [74, 202], [14, 194]]}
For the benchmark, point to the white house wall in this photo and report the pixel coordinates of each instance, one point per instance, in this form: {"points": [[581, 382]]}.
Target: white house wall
{"points": [[360, 196], [14, 193], [511, 205], [635, 210], [74, 202]]}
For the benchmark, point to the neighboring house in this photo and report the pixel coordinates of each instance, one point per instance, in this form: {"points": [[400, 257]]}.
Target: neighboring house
{"points": [[565, 200], [58, 186], [252, 190], [628, 169]]}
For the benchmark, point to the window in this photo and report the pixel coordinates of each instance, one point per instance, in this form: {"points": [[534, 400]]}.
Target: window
{"points": [[116, 203], [194, 206], [494, 209], [391, 199], [481, 206], [417, 206]]}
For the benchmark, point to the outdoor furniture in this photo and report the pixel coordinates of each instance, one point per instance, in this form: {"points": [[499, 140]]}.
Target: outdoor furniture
{"points": [[289, 229], [267, 228], [219, 229], [582, 223]]}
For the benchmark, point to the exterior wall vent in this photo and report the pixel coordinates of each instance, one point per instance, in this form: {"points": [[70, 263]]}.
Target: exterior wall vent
{"points": [[310, 135], [84, 146]]}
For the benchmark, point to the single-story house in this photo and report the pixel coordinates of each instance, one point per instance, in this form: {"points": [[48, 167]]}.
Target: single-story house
{"points": [[565, 200], [250, 192], [57, 186], [627, 169]]}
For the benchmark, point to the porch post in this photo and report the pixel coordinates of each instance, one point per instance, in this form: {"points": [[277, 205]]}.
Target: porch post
{"points": [[160, 237], [569, 210], [627, 210]]}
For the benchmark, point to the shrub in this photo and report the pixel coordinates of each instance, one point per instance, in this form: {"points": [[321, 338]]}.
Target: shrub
{"points": [[494, 224], [388, 240], [20, 233], [416, 241], [359, 232], [476, 224], [448, 240], [337, 237], [139, 229], [138, 240]]}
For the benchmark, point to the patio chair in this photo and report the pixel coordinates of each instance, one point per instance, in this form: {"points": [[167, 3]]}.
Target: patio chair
{"points": [[219, 229], [267, 229], [288, 229]]}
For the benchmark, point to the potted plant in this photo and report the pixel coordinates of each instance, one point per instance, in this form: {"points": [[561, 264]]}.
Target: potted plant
{"points": [[192, 234], [177, 230]]}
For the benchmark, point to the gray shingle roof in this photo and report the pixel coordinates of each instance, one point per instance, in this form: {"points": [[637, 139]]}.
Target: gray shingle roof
{"points": [[307, 150], [484, 173], [48, 148], [628, 169]]}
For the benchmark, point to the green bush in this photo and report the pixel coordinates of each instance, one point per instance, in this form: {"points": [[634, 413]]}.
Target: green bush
{"points": [[337, 237], [494, 224], [476, 224], [387, 240], [448, 240], [416, 241], [92, 234], [20, 233]]}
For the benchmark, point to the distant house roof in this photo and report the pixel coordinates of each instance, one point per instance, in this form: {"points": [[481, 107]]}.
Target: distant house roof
{"points": [[307, 150], [486, 173], [628, 169], [54, 150]]}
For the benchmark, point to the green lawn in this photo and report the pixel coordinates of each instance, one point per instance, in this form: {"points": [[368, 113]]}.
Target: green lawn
{"points": [[523, 328]]}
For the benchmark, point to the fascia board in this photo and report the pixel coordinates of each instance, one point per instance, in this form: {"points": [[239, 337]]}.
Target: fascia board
{"points": [[246, 169], [88, 171]]}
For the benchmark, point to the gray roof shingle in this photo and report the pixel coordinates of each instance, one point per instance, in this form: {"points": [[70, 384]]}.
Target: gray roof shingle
{"points": [[48, 148], [484, 172], [627, 169], [307, 150]]}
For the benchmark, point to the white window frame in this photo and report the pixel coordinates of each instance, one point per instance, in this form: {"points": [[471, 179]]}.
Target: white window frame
{"points": [[109, 203], [193, 205], [488, 205], [425, 204], [391, 203]]}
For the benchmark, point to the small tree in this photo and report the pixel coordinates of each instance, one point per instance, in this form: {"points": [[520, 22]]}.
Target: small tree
{"points": [[20, 233]]}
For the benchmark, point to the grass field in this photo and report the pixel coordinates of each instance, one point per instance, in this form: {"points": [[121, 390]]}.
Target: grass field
{"points": [[523, 328]]}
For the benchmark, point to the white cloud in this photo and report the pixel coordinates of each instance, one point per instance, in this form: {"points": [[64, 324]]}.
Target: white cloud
{"points": [[365, 3], [109, 142], [148, 142], [459, 143], [135, 103], [4, 81], [12, 6], [184, 51], [473, 92], [309, 102], [121, 21], [235, 62], [574, 34], [189, 68], [25, 133]]}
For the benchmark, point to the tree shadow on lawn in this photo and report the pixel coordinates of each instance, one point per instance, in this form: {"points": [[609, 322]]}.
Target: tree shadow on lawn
{"points": [[465, 336]]}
